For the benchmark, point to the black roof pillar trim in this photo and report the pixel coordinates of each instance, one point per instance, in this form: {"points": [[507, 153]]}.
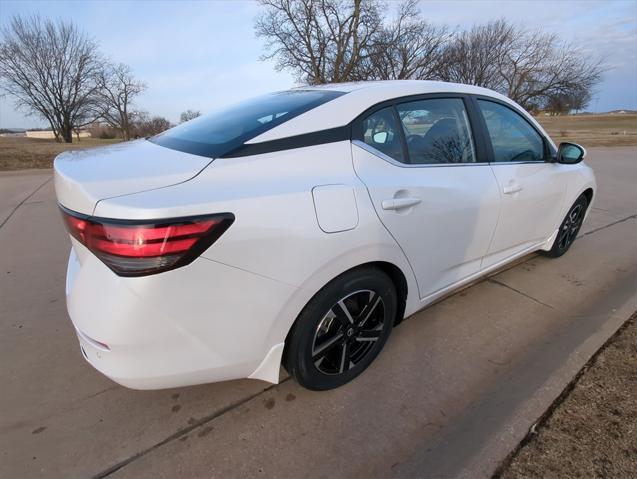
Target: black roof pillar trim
{"points": [[320, 137]]}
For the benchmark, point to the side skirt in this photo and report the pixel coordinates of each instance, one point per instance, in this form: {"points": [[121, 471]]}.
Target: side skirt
{"points": [[427, 300]]}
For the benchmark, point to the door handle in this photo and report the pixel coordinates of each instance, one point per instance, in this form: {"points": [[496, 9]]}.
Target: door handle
{"points": [[400, 203], [509, 190]]}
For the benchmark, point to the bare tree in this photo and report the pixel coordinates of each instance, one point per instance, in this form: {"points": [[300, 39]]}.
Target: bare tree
{"points": [[539, 67], [475, 56], [347, 40], [562, 103], [557, 105], [189, 115], [581, 98], [144, 125], [50, 69], [324, 41], [320, 41], [529, 67], [408, 47], [117, 88]]}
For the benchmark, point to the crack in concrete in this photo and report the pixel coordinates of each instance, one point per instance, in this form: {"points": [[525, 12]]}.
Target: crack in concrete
{"points": [[72, 407], [4, 222], [191, 427], [631, 217], [491, 280]]}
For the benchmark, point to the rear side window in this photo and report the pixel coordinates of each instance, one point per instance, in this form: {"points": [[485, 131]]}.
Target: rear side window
{"points": [[437, 131], [224, 130], [381, 130], [512, 137], [423, 132]]}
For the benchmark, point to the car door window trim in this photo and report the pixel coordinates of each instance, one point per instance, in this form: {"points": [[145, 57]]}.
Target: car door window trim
{"points": [[486, 138], [480, 150], [389, 159]]}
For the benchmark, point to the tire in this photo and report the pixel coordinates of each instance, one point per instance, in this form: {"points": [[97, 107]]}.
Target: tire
{"points": [[342, 329], [569, 228]]}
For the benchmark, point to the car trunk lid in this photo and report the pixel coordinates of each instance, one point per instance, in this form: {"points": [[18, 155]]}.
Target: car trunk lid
{"points": [[84, 177]]}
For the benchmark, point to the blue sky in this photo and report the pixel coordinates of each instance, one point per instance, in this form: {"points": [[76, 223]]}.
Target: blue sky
{"points": [[204, 54]]}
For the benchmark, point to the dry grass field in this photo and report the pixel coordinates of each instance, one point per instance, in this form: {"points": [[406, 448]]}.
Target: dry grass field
{"points": [[593, 432], [592, 130], [17, 153]]}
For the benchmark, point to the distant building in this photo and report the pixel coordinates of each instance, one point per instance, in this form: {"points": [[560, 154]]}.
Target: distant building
{"points": [[622, 112], [48, 134]]}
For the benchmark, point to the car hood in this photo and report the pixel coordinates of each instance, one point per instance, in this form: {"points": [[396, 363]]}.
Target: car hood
{"points": [[84, 177]]}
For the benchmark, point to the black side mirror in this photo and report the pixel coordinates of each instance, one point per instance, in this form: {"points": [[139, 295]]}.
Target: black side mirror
{"points": [[570, 153]]}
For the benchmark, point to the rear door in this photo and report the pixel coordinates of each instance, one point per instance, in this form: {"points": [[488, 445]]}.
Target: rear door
{"points": [[531, 187], [429, 186]]}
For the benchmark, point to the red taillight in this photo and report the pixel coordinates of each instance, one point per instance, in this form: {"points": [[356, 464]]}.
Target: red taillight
{"points": [[139, 248]]}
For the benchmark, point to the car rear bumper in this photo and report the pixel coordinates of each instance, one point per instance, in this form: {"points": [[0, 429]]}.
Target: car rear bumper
{"points": [[201, 323]]}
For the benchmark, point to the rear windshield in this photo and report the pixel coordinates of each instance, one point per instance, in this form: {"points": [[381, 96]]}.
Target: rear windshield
{"points": [[220, 132]]}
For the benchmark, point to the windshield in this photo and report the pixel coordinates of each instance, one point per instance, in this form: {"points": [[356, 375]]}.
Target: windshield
{"points": [[220, 132]]}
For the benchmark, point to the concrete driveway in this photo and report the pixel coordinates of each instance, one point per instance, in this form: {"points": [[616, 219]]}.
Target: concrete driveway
{"points": [[456, 388]]}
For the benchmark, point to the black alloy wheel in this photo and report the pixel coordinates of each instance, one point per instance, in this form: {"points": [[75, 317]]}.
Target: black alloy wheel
{"points": [[342, 329], [569, 228], [348, 332]]}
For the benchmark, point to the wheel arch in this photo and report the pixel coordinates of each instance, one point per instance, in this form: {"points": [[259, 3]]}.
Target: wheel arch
{"points": [[581, 181], [390, 269], [400, 283], [588, 192], [386, 256], [394, 273]]}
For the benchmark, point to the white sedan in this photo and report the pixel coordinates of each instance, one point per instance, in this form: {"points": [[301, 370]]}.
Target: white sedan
{"points": [[299, 227]]}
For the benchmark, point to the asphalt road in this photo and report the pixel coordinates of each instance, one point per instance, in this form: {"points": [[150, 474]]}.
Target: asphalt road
{"points": [[456, 388]]}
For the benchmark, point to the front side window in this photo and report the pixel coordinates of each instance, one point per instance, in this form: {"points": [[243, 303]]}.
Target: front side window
{"points": [[381, 131], [437, 131], [220, 132], [512, 137]]}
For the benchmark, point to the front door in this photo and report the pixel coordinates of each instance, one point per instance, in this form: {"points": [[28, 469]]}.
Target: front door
{"points": [[531, 187], [418, 162]]}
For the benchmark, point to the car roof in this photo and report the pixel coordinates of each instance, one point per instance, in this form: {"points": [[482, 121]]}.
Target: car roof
{"points": [[358, 97], [424, 86]]}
